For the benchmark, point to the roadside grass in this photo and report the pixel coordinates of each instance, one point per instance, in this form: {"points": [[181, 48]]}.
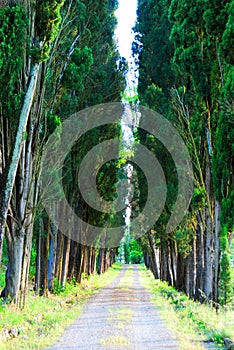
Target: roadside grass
{"points": [[44, 319], [195, 324]]}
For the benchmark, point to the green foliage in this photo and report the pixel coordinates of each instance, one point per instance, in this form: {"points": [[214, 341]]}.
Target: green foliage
{"points": [[57, 287], [185, 51], [94, 73], [136, 255], [189, 316], [226, 287], [50, 316], [2, 277], [4, 252], [199, 198], [13, 43], [81, 62], [33, 261], [126, 253], [130, 95], [53, 122], [47, 21], [227, 45], [223, 152]]}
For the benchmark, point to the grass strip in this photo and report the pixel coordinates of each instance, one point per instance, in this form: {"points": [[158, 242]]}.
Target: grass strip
{"points": [[44, 319], [195, 324]]}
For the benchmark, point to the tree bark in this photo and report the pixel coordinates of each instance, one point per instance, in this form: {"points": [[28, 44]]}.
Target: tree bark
{"points": [[153, 259], [13, 274], [8, 178], [216, 249], [199, 258], [66, 252]]}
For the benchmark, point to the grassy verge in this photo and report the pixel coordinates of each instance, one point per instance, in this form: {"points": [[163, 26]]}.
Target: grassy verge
{"points": [[195, 324], [44, 319]]}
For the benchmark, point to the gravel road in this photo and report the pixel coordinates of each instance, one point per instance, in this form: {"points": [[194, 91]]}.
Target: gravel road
{"points": [[121, 316]]}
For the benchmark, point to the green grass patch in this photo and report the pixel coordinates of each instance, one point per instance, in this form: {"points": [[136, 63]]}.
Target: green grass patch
{"points": [[44, 319], [115, 342], [193, 322]]}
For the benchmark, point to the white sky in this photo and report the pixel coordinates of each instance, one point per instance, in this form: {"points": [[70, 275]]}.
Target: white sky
{"points": [[126, 16]]}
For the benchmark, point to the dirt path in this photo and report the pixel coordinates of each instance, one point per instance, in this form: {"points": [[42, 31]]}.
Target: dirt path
{"points": [[119, 317]]}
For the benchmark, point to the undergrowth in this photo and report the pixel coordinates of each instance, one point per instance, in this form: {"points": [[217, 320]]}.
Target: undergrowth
{"points": [[191, 319], [44, 319]]}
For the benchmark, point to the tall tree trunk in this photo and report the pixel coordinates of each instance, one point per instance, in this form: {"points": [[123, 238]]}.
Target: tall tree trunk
{"points": [[66, 252], [199, 258], [8, 177], [52, 256], [153, 259], [100, 261], [216, 250], [173, 259], [25, 266], [190, 272], [14, 267], [164, 263], [44, 256], [209, 228], [180, 272], [72, 260], [59, 256], [79, 262]]}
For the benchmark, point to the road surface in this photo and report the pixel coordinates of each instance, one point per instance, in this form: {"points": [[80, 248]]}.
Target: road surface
{"points": [[121, 316]]}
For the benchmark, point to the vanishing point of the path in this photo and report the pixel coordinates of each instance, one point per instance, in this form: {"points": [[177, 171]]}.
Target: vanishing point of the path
{"points": [[121, 316]]}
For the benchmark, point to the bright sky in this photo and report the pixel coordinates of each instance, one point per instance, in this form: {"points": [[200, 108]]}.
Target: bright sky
{"points": [[126, 15]]}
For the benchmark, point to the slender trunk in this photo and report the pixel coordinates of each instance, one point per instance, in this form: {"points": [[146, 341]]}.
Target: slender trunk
{"points": [[153, 259], [190, 275], [25, 266], [72, 260], [146, 256], [66, 252], [93, 262], [164, 267], [100, 261], [44, 255], [209, 259], [84, 261], [180, 272], [209, 228], [106, 260], [38, 265], [10, 173], [59, 256], [79, 262], [173, 261], [199, 258], [52, 256], [216, 249], [13, 275]]}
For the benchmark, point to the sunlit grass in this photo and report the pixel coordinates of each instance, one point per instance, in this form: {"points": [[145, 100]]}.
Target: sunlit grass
{"points": [[115, 342], [194, 323], [44, 319], [120, 315]]}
